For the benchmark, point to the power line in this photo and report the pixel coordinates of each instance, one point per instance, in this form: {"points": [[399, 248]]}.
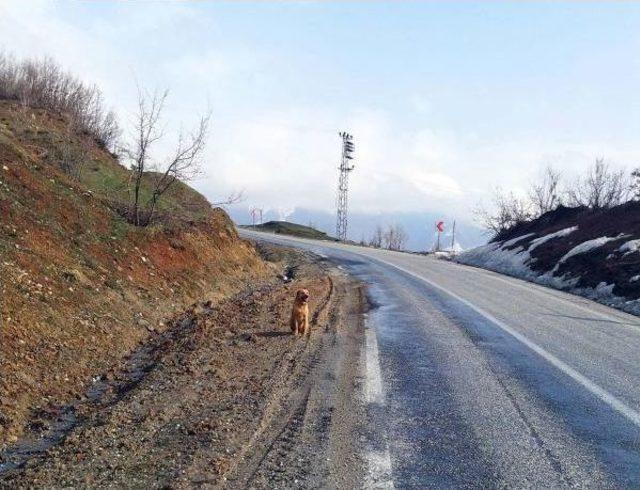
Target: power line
{"points": [[348, 149]]}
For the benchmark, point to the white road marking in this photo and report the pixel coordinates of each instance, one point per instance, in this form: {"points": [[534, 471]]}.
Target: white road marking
{"points": [[378, 462], [611, 400], [373, 379], [379, 470]]}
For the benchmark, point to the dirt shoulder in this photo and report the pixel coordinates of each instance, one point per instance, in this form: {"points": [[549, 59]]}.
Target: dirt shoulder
{"points": [[225, 398]]}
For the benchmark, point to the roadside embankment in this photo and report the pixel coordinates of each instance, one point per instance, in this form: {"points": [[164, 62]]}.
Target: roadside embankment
{"points": [[80, 287], [592, 253]]}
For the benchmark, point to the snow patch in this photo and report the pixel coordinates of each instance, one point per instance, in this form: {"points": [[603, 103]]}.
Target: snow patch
{"points": [[630, 246], [585, 247], [516, 262], [456, 248], [515, 240], [492, 256], [449, 251], [543, 239], [604, 290]]}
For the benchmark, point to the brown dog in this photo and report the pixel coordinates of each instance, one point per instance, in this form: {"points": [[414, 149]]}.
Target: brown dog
{"points": [[300, 314]]}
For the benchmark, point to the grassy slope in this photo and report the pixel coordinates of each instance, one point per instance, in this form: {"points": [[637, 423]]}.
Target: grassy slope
{"points": [[80, 286], [292, 229]]}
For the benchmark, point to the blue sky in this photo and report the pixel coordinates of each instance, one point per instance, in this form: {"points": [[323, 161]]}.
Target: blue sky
{"points": [[445, 99]]}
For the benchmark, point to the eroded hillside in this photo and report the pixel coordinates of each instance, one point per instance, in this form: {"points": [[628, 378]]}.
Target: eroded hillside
{"points": [[80, 286]]}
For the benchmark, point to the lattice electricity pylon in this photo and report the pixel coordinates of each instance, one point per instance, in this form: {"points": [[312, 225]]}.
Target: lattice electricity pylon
{"points": [[348, 149]]}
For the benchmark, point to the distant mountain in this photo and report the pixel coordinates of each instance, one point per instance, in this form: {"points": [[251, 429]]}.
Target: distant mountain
{"points": [[292, 229], [419, 226]]}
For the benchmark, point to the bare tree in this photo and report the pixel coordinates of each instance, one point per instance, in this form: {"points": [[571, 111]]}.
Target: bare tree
{"points": [[601, 187], [234, 198], [146, 133], [401, 237], [507, 211], [394, 238], [184, 163], [635, 184], [388, 237], [71, 158], [544, 194], [377, 237]]}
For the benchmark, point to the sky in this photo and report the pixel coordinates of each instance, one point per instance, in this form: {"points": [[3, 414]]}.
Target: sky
{"points": [[446, 100]]}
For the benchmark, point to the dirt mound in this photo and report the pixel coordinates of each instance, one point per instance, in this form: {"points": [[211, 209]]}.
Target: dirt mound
{"points": [[80, 286], [595, 253], [555, 220]]}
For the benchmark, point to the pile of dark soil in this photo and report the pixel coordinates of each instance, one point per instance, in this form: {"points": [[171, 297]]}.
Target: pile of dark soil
{"points": [[603, 264]]}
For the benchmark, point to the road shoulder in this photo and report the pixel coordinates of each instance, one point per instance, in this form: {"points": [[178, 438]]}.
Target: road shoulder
{"points": [[226, 398]]}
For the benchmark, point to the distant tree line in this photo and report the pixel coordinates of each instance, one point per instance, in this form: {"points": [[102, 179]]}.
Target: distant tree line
{"points": [[600, 187], [393, 237]]}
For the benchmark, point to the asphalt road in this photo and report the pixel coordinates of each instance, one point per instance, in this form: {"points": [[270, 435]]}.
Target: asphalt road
{"points": [[474, 379]]}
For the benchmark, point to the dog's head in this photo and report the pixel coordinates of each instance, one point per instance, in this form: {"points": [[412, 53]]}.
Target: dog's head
{"points": [[302, 296]]}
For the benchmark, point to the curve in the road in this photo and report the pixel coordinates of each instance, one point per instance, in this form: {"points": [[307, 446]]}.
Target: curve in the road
{"points": [[619, 406], [489, 381]]}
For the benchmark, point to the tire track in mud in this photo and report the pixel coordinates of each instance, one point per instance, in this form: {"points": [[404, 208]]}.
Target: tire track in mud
{"points": [[280, 399], [296, 448], [104, 392]]}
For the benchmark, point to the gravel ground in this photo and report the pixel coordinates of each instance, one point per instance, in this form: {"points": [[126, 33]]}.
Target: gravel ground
{"points": [[225, 398]]}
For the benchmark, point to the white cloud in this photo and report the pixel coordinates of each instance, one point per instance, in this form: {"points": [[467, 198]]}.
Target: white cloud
{"points": [[285, 153], [281, 163]]}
